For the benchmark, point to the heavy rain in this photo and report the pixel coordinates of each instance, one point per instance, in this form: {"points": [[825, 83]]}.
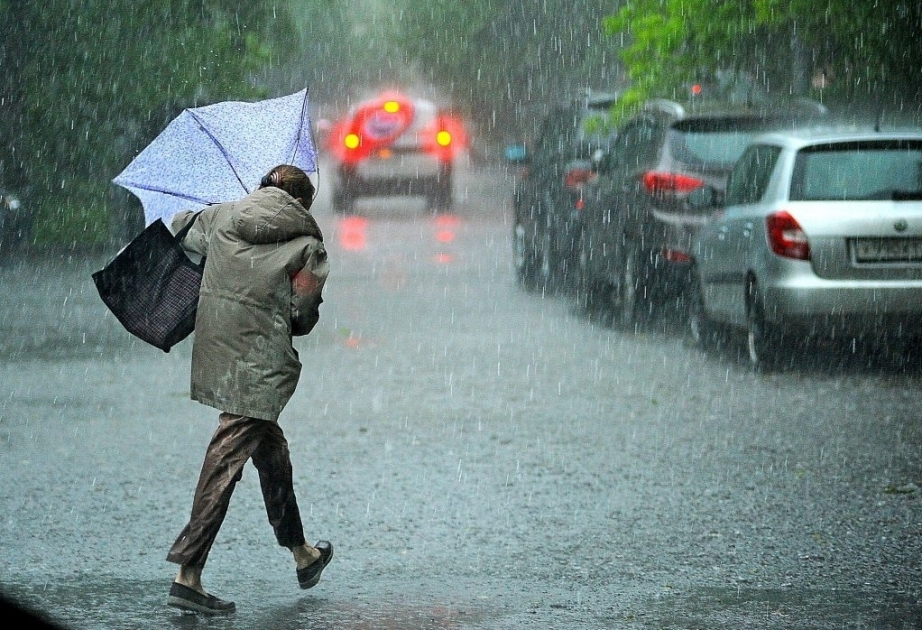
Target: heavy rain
{"points": [[622, 327]]}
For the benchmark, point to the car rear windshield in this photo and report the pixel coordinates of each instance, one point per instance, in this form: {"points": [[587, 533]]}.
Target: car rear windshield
{"points": [[715, 143], [890, 169]]}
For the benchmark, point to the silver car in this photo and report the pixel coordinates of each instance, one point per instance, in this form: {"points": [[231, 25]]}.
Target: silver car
{"points": [[820, 234]]}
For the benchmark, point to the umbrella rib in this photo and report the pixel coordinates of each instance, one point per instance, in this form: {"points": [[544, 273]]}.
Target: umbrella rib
{"points": [[310, 130], [221, 148], [294, 153], [171, 193]]}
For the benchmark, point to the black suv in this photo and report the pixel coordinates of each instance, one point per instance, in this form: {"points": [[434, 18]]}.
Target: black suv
{"points": [[658, 183], [547, 196]]}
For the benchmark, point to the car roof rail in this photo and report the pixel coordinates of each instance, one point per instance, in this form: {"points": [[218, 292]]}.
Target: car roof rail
{"points": [[664, 106], [589, 97]]}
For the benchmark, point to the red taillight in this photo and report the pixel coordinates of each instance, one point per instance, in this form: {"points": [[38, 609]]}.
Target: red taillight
{"points": [[675, 256], [786, 237], [576, 177], [445, 138], [656, 182]]}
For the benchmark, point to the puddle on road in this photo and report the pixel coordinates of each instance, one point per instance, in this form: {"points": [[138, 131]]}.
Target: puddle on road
{"points": [[81, 602], [95, 602]]}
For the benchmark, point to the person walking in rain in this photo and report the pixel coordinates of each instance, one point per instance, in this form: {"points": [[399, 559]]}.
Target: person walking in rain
{"points": [[265, 266]]}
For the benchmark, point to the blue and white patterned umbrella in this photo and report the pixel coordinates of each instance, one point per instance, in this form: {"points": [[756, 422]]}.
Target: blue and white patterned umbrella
{"points": [[219, 153]]}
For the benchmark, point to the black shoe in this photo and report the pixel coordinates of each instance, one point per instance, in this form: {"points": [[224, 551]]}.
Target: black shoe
{"points": [[189, 599], [310, 575]]}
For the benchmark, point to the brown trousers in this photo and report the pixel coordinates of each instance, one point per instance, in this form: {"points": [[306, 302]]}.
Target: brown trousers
{"points": [[237, 439]]}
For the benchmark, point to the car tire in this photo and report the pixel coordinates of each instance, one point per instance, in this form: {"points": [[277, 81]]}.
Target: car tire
{"points": [[762, 337], [523, 256], [627, 294], [704, 332], [343, 201], [441, 199], [588, 289]]}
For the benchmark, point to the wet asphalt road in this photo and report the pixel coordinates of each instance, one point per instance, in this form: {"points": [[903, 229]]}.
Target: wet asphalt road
{"points": [[481, 458]]}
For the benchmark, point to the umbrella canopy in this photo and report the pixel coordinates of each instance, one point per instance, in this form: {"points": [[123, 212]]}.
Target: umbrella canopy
{"points": [[219, 153]]}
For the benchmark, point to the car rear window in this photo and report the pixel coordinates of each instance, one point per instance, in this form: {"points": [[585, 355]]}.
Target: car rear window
{"points": [[890, 169], [751, 174], [715, 143]]}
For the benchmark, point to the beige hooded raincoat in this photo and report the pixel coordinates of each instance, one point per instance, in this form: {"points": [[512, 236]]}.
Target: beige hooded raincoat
{"points": [[243, 361]]}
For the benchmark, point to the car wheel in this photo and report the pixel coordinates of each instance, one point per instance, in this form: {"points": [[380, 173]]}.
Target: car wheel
{"points": [[343, 201], [441, 198], [762, 337], [628, 293], [704, 332], [588, 288], [523, 256], [547, 260]]}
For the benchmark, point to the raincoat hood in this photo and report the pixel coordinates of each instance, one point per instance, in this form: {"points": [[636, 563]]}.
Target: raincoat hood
{"points": [[271, 215]]}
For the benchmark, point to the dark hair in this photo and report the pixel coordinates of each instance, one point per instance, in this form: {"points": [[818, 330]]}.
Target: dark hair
{"points": [[292, 180]]}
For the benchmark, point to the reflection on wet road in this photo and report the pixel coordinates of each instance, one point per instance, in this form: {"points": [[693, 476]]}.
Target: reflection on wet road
{"points": [[482, 457]]}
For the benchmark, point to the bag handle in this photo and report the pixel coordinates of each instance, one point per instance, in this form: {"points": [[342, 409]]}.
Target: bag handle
{"points": [[180, 235]]}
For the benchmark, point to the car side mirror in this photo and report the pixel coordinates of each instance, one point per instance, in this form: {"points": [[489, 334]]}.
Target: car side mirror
{"points": [[705, 197], [516, 154]]}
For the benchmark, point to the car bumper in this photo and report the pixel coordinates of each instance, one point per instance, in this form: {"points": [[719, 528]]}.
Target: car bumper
{"points": [[804, 300], [405, 166]]}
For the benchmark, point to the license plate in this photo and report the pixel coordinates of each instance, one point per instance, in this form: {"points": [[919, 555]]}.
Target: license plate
{"points": [[888, 249]]}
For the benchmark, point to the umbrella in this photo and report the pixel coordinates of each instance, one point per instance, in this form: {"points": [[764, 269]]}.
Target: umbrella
{"points": [[218, 153]]}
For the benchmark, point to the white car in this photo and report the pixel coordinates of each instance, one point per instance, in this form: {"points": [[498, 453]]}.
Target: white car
{"points": [[396, 145], [820, 233]]}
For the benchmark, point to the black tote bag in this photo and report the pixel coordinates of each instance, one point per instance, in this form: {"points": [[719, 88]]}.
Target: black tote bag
{"points": [[152, 286]]}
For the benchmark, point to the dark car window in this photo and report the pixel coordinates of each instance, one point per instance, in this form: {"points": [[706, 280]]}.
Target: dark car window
{"points": [[750, 176], [637, 144], [715, 143], [858, 171]]}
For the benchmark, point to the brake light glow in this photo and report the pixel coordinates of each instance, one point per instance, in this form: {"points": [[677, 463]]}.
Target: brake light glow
{"points": [[352, 141], [657, 182], [675, 256], [443, 138], [391, 107], [576, 177], [785, 236]]}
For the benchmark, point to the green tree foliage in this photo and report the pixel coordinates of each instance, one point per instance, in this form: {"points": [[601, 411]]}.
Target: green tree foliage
{"points": [[839, 49], [88, 84]]}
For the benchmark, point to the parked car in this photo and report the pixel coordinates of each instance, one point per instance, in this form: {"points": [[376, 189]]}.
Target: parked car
{"points": [[820, 235], [396, 145], [547, 195], [639, 219], [15, 219]]}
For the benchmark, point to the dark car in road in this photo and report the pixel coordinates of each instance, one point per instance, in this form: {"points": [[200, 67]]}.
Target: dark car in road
{"points": [[642, 211], [395, 144], [547, 195]]}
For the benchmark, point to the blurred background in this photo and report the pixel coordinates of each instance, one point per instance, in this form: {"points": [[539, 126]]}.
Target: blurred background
{"points": [[85, 86]]}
